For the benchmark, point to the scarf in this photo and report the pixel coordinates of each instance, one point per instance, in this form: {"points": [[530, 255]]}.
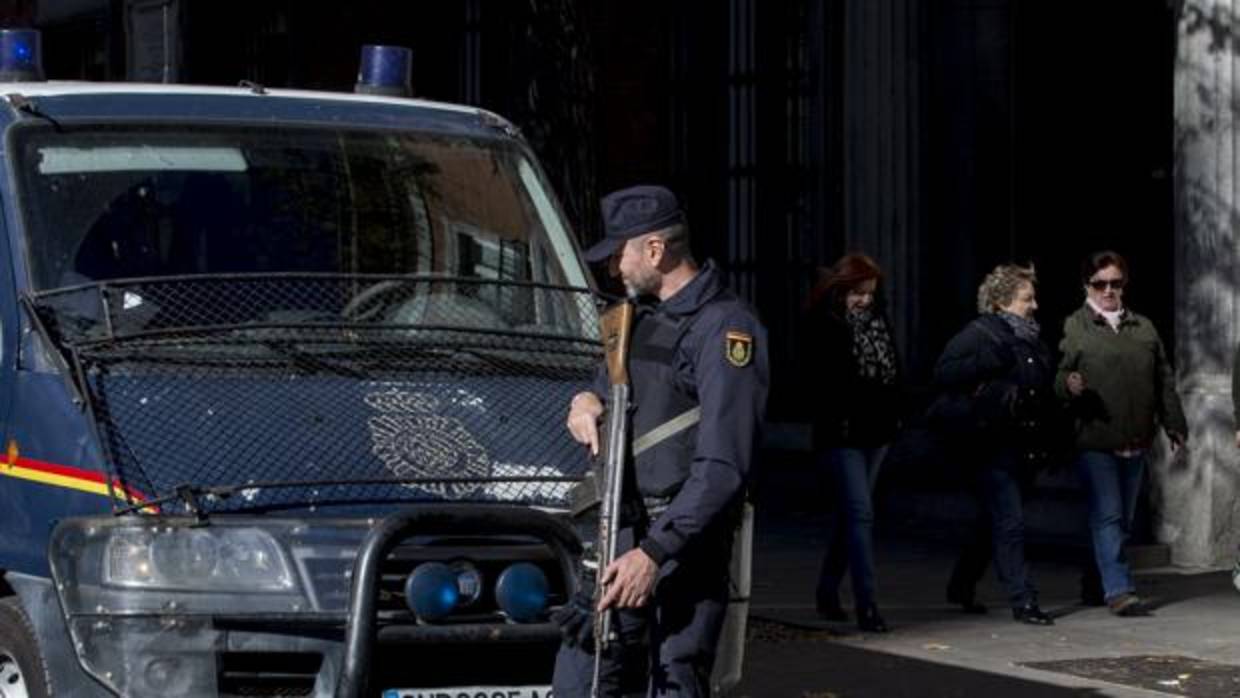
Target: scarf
{"points": [[1113, 317], [871, 347], [1025, 328]]}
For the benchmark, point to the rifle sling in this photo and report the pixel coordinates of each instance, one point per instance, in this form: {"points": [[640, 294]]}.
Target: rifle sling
{"points": [[585, 494], [666, 430]]}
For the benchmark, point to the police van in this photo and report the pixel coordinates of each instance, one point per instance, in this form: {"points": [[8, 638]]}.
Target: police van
{"points": [[282, 384]]}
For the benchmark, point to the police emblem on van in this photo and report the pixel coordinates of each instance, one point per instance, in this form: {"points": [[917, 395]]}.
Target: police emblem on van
{"points": [[413, 439], [738, 347]]}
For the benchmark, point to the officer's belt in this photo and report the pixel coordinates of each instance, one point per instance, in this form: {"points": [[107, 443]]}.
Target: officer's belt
{"points": [[666, 430], [655, 506]]}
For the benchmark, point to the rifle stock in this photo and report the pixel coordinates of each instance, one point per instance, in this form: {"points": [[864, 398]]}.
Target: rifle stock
{"points": [[616, 324]]}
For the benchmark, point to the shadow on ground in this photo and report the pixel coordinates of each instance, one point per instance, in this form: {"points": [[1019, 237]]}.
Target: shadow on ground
{"points": [[785, 661], [1178, 675]]}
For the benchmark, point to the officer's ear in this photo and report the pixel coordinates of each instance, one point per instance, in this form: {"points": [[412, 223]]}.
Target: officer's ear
{"points": [[655, 249]]}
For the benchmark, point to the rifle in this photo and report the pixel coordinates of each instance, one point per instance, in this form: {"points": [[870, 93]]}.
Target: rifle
{"points": [[616, 324]]}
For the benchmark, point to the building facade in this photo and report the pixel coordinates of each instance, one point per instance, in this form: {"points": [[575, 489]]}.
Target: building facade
{"points": [[940, 136]]}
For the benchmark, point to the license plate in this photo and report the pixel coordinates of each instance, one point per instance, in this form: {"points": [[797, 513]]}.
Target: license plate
{"points": [[471, 692]]}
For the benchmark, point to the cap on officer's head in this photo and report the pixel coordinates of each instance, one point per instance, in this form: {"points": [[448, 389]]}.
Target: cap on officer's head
{"points": [[631, 212]]}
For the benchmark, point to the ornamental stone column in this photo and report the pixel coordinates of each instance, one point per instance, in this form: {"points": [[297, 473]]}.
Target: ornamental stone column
{"points": [[1196, 494]]}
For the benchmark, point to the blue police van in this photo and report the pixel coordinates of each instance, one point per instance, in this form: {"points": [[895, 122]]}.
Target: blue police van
{"points": [[282, 384]]}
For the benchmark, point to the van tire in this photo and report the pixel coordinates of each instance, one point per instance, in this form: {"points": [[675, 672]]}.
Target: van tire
{"points": [[23, 672]]}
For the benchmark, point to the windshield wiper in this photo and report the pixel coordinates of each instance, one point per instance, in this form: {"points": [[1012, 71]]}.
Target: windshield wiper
{"points": [[192, 496], [308, 362], [508, 359]]}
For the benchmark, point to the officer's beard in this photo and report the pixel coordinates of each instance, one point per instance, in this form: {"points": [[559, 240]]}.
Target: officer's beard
{"points": [[644, 283]]}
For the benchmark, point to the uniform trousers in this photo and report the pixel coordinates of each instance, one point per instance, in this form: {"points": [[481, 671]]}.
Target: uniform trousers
{"points": [[671, 640]]}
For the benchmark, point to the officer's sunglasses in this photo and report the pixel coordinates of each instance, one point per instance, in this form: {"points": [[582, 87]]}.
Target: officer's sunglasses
{"points": [[1101, 284]]}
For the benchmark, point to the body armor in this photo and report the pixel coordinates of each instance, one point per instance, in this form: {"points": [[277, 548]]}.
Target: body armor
{"points": [[660, 395]]}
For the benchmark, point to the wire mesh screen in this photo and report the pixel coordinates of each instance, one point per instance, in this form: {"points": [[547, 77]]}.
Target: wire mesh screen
{"points": [[331, 389]]}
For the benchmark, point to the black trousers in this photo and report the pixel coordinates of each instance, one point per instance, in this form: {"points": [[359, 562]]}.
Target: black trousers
{"points": [[665, 649]]}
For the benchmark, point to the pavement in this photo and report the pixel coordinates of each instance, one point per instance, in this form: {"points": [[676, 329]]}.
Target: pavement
{"points": [[1190, 646]]}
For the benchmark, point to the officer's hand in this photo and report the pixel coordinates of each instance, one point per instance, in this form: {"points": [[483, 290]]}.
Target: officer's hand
{"points": [[628, 581], [1076, 384], [583, 414], [576, 618], [1238, 438]]}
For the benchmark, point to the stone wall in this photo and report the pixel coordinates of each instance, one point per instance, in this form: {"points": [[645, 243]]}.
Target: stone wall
{"points": [[1196, 492]]}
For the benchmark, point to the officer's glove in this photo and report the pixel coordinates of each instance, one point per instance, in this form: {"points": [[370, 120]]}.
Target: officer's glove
{"points": [[576, 617]]}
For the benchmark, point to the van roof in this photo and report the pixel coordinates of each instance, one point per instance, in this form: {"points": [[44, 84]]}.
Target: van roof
{"points": [[59, 88], [136, 100]]}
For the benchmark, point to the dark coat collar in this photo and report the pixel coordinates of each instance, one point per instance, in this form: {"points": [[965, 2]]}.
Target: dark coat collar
{"points": [[701, 289]]}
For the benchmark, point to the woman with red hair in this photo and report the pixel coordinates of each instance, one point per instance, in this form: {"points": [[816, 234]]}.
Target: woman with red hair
{"points": [[855, 369]]}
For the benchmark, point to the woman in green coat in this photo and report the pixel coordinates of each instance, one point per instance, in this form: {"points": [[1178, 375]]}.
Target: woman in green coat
{"points": [[1116, 375]]}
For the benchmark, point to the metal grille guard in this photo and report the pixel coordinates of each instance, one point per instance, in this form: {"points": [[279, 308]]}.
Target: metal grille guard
{"points": [[361, 630]]}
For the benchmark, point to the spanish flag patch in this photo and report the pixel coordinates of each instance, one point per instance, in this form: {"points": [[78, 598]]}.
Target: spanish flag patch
{"points": [[738, 348]]}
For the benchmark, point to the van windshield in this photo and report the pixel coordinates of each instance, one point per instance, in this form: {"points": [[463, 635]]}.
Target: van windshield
{"points": [[400, 314], [107, 203]]}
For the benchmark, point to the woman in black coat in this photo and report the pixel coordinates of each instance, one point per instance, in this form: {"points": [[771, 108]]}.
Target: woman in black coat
{"points": [[995, 378], [854, 371]]}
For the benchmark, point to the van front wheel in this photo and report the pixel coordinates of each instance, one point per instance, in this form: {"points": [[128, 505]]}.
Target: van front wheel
{"points": [[23, 673]]}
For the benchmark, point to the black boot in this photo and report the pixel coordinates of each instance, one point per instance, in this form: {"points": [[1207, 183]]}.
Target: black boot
{"points": [[1031, 614], [1091, 588], [869, 620], [831, 611], [965, 600]]}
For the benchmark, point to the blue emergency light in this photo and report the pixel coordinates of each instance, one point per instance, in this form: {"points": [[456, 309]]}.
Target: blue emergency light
{"points": [[521, 592], [385, 70], [431, 591], [21, 55]]}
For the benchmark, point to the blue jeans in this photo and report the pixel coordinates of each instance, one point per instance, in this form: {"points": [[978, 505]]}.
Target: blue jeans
{"points": [[1001, 487], [1112, 484], [850, 527]]}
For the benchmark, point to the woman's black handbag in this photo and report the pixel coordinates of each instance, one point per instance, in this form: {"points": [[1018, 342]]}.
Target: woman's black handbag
{"points": [[954, 413]]}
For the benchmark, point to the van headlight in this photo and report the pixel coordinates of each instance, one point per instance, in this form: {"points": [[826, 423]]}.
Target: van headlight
{"points": [[218, 559], [139, 594], [140, 564]]}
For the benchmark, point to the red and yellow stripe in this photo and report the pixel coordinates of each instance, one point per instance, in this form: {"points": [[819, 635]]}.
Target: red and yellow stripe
{"points": [[55, 475]]}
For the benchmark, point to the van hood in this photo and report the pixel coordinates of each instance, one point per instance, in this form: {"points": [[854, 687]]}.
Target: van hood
{"points": [[302, 408]]}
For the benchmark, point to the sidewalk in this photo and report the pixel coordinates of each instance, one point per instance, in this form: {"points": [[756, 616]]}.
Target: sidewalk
{"points": [[1190, 646]]}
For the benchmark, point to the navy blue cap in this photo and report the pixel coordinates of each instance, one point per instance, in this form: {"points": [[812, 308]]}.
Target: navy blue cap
{"points": [[631, 212]]}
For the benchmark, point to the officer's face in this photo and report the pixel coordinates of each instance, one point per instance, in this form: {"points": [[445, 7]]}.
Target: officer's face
{"points": [[636, 263]]}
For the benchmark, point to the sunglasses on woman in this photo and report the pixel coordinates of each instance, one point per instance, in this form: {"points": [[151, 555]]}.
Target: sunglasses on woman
{"points": [[1101, 284]]}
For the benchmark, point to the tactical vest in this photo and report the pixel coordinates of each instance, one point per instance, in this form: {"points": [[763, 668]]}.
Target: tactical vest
{"points": [[657, 397]]}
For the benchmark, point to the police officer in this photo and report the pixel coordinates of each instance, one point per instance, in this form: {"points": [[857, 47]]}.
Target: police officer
{"points": [[698, 372]]}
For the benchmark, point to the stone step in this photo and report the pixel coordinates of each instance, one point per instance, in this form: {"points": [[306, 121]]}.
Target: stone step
{"points": [[921, 494], [1047, 518], [1148, 556], [1055, 523]]}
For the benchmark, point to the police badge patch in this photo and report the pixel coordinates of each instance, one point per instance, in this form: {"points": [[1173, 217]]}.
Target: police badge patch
{"points": [[738, 347]]}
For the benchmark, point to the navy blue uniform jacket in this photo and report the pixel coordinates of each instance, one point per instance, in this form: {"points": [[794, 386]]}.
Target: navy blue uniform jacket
{"points": [[732, 399]]}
